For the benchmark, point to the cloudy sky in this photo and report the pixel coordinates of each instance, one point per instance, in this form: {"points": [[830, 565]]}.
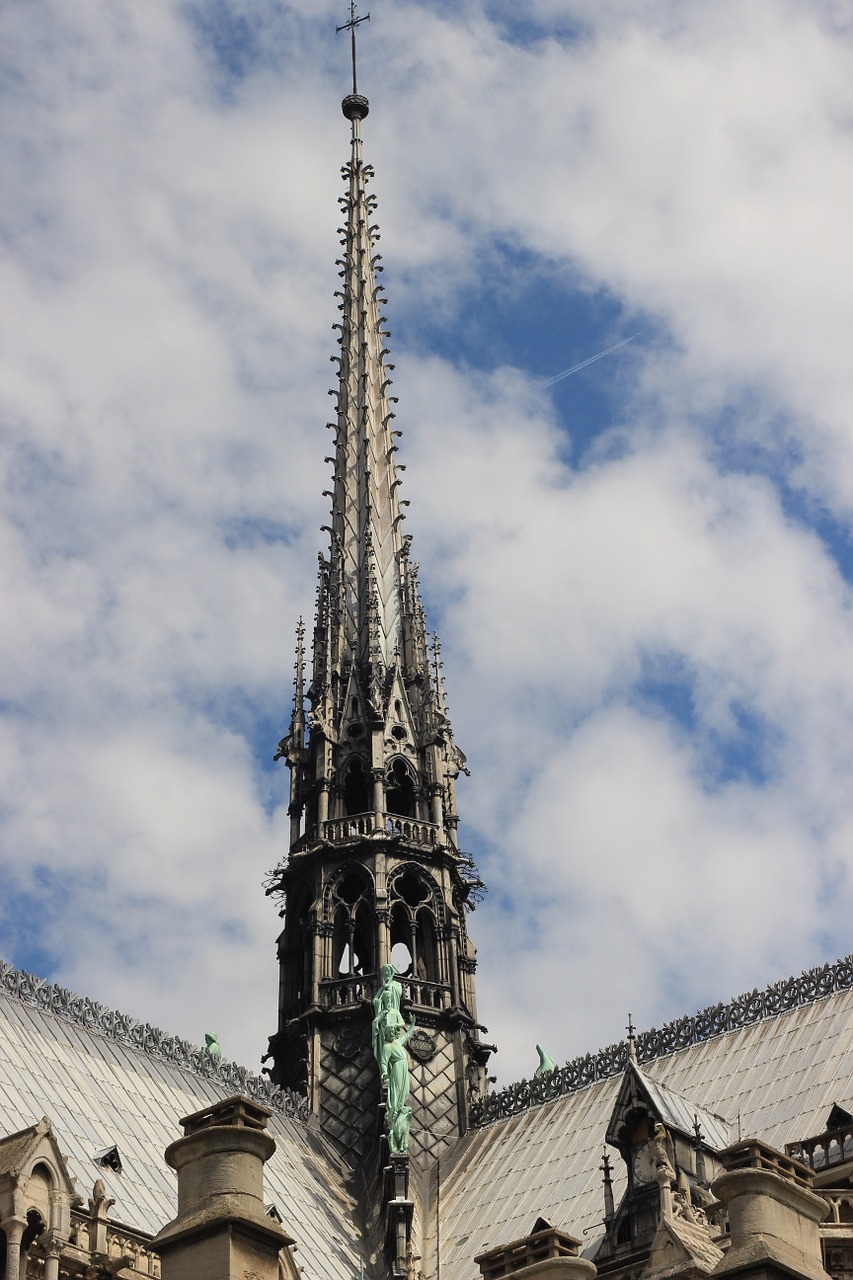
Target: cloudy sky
{"points": [[641, 572]]}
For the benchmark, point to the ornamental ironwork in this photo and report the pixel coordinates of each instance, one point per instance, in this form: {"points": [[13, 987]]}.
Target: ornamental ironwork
{"points": [[716, 1020], [91, 1015]]}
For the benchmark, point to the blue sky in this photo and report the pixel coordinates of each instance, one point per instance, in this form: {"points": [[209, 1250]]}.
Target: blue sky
{"points": [[641, 574]]}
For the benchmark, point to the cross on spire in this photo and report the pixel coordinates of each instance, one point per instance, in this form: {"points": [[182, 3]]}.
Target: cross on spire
{"points": [[350, 26]]}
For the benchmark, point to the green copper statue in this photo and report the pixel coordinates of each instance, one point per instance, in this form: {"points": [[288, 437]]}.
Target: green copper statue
{"points": [[386, 1001], [398, 1115], [389, 1038], [546, 1063], [211, 1045]]}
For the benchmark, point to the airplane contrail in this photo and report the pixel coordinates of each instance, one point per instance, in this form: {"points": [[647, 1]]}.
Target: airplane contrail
{"points": [[590, 360]]}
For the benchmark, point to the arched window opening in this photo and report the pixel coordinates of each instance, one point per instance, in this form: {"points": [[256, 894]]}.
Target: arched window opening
{"points": [[401, 958], [298, 945], [356, 788], [402, 940], [36, 1226], [400, 791], [363, 939], [398, 709], [410, 889], [352, 912], [427, 941]]}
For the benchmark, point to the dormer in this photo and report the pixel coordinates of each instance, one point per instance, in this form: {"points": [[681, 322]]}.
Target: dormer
{"points": [[36, 1194]]}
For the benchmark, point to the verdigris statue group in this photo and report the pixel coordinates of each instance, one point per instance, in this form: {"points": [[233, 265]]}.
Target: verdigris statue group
{"points": [[390, 1035]]}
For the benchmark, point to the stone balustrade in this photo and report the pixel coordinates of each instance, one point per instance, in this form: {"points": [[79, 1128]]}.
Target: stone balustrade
{"points": [[363, 825], [827, 1149], [425, 995]]}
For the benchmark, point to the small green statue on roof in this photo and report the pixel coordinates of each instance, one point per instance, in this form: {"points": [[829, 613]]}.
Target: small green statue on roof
{"points": [[546, 1067], [211, 1045], [546, 1063]]}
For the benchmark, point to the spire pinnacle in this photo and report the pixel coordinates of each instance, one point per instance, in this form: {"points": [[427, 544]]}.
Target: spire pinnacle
{"points": [[354, 104]]}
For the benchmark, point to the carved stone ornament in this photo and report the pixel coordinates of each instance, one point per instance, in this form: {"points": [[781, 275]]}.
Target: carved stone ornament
{"points": [[349, 1043], [31, 990], [754, 1006], [422, 1046]]}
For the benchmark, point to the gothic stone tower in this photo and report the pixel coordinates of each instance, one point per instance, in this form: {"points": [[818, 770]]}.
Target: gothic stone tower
{"points": [[374, 870]]}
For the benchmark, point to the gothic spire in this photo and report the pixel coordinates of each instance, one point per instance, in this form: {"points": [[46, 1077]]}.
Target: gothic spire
{"points": [[369, 615], [374, 868]]}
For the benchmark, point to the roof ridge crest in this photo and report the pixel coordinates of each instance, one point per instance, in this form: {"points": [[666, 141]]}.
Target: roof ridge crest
{"points": [[49, 997], [782, 996]]}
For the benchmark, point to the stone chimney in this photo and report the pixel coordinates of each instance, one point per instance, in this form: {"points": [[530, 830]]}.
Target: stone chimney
{"points": [[546, 1254], [773, 1214], [222, 1231]]}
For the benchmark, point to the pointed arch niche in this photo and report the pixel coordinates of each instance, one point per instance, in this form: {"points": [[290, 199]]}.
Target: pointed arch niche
{"points": [[400, 795], [356, 787], [350, 910], [416, 918], [296, 948]]}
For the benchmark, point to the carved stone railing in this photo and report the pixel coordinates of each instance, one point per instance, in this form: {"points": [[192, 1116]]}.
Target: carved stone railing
{"points": [[840, 1217], [138, 1035], [755, 1006], [122, 1242], [352, 989], [363, 825], [540, 1247], [752, 1153], [827, 1149], [426, 995]]}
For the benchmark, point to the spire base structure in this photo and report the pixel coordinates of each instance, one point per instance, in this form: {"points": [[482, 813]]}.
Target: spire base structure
{"points": [[355, 106]]}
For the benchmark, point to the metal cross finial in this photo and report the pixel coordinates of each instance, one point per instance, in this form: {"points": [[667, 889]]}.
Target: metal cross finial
{"points": [[350, 27]]}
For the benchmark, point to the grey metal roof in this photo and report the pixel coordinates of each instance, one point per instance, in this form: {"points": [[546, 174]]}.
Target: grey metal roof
{"points": [[679, 1113], [775, 1079], [100, 1092]]}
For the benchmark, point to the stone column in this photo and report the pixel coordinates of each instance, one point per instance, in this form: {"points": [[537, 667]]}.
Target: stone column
{"points": [[378, 776], [52, 1248], [383, 937], [323, 807], [14, 1229]]}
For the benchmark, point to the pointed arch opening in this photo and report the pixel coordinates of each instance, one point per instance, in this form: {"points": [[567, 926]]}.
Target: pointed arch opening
{"points": [[415, 930], [400, 790], [350, 907], [356, 788]]}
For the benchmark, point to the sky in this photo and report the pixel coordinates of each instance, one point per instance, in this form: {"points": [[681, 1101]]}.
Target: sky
{"points": [[641, 572]]}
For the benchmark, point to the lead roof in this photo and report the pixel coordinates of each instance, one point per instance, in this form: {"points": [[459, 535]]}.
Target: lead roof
{"points": [[776, 1079], [99, 1092]]}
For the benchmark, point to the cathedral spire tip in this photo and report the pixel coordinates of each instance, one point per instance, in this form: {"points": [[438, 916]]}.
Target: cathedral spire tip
{"points": [[354, 106]]}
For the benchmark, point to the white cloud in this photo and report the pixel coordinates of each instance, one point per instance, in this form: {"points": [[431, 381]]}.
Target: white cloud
{"points": [[165, 357]]}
